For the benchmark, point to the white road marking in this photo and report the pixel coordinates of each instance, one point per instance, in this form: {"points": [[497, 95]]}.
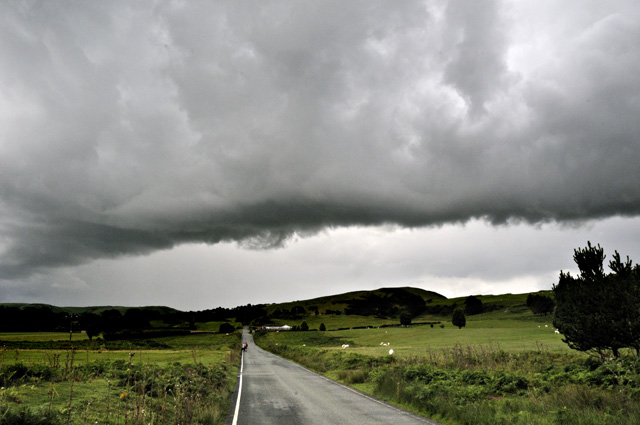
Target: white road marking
{"points": [[235, 414]]}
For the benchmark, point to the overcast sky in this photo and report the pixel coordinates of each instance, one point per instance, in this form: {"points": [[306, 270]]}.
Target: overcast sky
{"points": [[199, 154]]}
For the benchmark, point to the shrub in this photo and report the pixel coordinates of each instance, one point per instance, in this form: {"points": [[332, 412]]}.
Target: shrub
{"points": [[506, 382], [358, 376], [458, 318], [472, 305], [226, 328], [539, 304], [405, 318], [28, 416]]}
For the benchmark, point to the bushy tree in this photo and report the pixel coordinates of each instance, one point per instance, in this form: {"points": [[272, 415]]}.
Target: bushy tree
{"points": [[458, 318], [111, 320], [473, 305], [323, 327], [134, 318], [90, 322], [598, 312], [304, 326], [539, 304], [405, 318], [298, 310], [226, 328]]}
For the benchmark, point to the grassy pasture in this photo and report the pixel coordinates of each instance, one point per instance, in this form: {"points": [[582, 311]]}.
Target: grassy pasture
{"points": [[203, 348], [511, 334], [333, 322], [215, 326], [42, 336], [422, 339]]}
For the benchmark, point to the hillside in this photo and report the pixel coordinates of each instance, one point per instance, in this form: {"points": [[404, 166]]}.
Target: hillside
{"points": [[381, 302], [89, 309], [382, 307]]}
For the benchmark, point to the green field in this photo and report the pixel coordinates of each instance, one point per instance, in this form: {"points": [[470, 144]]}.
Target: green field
{"points": [[42, 336], [189, 380], [508, 335]]}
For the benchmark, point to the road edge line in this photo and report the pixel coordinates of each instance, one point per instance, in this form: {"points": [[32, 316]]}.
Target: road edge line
{"points": [[237, 410]]}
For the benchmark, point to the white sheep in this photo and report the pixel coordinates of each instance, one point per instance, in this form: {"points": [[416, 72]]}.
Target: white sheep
{"points": [[345, 346], [557, 331]]}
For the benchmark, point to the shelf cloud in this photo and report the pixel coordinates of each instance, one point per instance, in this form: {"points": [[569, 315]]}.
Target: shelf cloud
{"points": [[127, 128]]}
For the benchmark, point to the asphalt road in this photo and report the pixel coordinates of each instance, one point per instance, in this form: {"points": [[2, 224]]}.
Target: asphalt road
{"points": [[276, 391]]}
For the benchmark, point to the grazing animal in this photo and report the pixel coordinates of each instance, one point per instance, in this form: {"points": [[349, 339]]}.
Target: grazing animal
{"points": [[345, 346]]}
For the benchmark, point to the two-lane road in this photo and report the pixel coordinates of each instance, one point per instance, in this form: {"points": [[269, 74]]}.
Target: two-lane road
{"points": [[276, 391]]}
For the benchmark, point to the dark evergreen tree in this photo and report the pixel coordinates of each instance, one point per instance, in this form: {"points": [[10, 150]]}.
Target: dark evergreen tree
{"points": [[458, 318], [596, 312], [304, 326], [323, 327]]}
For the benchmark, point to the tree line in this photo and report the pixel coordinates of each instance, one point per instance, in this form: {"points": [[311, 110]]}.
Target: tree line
{"points": [[112, 322]]}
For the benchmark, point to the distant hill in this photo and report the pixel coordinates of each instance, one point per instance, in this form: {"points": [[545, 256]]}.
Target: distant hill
{"points": [[90, 309], [381, 302]]}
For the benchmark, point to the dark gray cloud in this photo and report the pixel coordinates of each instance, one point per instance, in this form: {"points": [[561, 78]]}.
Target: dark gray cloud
{"points": [[127, 128]]}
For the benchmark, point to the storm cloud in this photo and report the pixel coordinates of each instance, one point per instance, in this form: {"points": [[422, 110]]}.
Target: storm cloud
{"points": [[132, 127]]}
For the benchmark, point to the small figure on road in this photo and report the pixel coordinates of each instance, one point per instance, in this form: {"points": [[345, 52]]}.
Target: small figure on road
{"points": [[245, 346]]}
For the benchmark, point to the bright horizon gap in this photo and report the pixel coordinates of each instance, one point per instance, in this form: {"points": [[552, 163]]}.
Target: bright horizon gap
{"points": [[311, 267]]}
